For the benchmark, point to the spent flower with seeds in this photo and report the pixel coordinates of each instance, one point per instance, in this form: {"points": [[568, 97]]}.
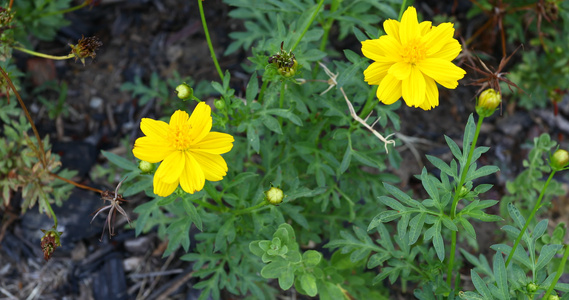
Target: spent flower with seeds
{"points": [[189, 152], [411, 59], [115, 205], [49, 242], [85, 47]]}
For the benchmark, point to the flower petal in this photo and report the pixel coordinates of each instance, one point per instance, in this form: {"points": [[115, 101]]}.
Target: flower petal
{"points": [[213, 165], [413, 89], [154, 128], [409, 28], [425, 27], [214, 143], [400, 70], [192, 178], [152, 149], [391, 27], [385, 49], [200, 122], [449, 51], [376, 72], [171, 168], [442, 71], [162, 188], [389, 89], [438, 37], [432, 99]]}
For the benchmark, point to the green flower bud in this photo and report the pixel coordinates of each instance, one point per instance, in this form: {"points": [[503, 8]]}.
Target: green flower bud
{"points": [[559, 159], [184, 91], [219, 104], [488, 102], [274, 195], [553, 297], [145, 167], [531, 287]]}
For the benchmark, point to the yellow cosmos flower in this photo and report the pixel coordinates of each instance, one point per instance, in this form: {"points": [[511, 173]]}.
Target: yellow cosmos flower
{"points": [[410, 58], [189, 152]]}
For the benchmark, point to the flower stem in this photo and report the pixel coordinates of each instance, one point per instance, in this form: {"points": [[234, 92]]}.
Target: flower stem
{"points": [[52, 214], [64, 11], [403, 7], [212, 52], [71, 55], [249, 209], [560, 270], [456, 198], [532, 214], [262, 92], [307, 25]]}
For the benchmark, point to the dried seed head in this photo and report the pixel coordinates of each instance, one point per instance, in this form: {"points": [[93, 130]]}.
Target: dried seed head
{"points": [[85, 47]]}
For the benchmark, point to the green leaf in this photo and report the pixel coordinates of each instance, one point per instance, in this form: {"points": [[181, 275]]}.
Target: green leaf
{"points": [[308, 284], [453, 148], [138, 186], [252, 88], [193, 213], [225, 234], [501, 277], [400, 195], [447, 221], [253, 138], [392, 203], [416, 227], [239, 179], [119, 161], [286, 279], [346, 159], [467, 227], [515, 214], [311, 258], [480, 286], [272, 124], [520, 255], [441, 165], [274, 269], [545, 256]]}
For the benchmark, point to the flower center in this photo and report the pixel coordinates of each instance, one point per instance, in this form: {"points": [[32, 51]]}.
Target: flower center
{"points": [[414, 52], [179, 137]]}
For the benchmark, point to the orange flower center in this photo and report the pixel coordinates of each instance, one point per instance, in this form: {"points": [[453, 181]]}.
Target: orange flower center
{"points": [[414, 52], [179, 137]]}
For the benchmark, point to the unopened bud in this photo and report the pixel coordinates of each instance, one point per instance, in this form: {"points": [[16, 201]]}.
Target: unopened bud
{"points": [[274, 195], [488, 102], [145, 167], [559, 159], [184, 91]]}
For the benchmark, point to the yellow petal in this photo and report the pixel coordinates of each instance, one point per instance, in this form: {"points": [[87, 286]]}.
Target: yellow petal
{"points": [[442, 71], [171, 168], [438, 37], [192, 178], [200, 122], [152, 149], [164, 189], [413, 89], [214, 143], [179, 119], [449, 51], [400, 70], [425, 27], [432, 92], [409, 28], [391, 27], [213, 165], [389, 89], [385, 49], [376, 72], [154, 128], [371, 49]]}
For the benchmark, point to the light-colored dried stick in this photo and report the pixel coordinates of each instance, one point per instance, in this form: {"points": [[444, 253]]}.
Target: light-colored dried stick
{"points": [[332, 82]]}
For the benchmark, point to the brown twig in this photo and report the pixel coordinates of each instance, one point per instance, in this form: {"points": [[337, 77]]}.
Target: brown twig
{"points": [[85, 187]]}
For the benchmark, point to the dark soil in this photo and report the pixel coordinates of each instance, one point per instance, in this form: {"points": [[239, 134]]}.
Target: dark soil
{"points": [[145, 36]]}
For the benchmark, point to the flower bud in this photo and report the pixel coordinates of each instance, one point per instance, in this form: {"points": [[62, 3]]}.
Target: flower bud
{"points": [[274, 195], [285, 62], [531, 287], [145, 167], [184, 91], [219, 104], [553, 297], [559, 159], [488, 102]]}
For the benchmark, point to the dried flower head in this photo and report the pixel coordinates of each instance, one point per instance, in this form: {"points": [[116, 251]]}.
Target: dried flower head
{"points": [[85, 47], [285, 62], [115, 199], [50, 241]]}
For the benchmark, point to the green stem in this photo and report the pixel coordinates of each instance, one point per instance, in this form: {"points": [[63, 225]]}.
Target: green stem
{"points": [[457, 194], [209, 41], [403, 7], [370, 104], [560, 269], [53, 214], [43, 55], [249, 209], [64, 11], [532, 214], [307, 25], [206, 205], [281, 96]]}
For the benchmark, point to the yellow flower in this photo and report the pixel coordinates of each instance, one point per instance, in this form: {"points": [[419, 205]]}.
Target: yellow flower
{"points": [[410, 58], [189, 152]]}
